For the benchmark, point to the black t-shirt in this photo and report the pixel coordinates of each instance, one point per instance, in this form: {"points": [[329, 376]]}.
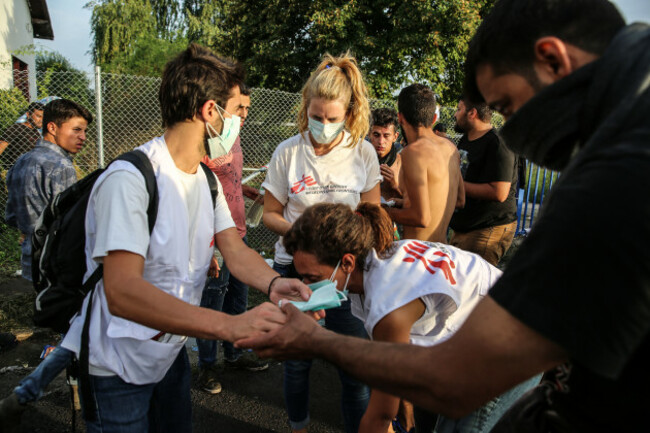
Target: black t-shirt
{"points": [[489, 161], [21, 139], [582, 280]]}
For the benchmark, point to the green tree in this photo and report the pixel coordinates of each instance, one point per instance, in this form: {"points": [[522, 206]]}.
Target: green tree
{"points": [[55, 76], [395, 41], [117, 24]]}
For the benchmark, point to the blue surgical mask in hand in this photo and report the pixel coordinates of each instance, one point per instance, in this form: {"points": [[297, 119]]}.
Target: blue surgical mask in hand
{"points": [[324, 296]]}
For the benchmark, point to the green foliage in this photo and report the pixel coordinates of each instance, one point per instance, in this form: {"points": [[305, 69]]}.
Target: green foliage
{"points": [[12, 105], [116, 24], [147, 56], [55, 76], [395, 41]]}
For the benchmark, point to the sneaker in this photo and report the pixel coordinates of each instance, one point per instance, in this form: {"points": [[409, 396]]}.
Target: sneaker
{"points": [[208, 380], [248, 361], [10, 413]]}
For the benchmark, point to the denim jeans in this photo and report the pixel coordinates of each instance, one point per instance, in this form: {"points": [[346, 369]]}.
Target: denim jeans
{"points": [[212, 297], [229, 295], [31, 387], [163, 407], [491, 243], [354, 394], [484, 418]]}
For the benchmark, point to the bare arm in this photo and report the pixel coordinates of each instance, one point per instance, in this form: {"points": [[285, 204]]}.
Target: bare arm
{"points": [[273, 216], [460, 198], [250, 192], [494, 191], [3, 146], [418, 213], [372, 196], [491, 353], [395, 327], [132, 297], [251, 269], [391, 180]]}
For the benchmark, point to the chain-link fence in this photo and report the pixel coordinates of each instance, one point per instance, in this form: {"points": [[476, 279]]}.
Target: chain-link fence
{"points": [[127, 114]]}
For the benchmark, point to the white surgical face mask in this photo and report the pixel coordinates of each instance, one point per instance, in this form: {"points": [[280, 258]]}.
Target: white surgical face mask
{"points": [[220, 144], [325, 134]]}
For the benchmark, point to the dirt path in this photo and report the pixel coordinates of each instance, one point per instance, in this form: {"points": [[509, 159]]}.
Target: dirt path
{"points": [[249, 402]]}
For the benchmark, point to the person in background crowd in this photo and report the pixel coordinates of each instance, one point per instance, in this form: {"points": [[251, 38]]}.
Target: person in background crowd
{"points": [[487, 223], [225, 292], [20, 138], [383, 135], [430, 170], [33, 181], [572, 81], [440, 130], [328, 161]]}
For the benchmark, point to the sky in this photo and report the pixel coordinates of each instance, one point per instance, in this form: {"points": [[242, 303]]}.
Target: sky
{"points": [[71, 24]]}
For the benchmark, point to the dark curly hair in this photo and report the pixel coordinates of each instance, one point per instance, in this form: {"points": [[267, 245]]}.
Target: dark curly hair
{"points": [[329, 230]]}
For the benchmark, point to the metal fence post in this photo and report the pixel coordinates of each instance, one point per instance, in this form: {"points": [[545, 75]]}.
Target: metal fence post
{"points": [[99, 120]]}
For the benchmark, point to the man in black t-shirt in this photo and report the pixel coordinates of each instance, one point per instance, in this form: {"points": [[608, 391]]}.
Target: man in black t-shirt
{"points": [[487, 223]]}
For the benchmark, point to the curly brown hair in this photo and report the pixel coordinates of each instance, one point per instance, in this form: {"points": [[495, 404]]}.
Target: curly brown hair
{"points": [[329, 230]]}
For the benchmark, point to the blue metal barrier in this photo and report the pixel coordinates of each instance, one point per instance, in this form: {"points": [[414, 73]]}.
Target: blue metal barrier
{"points": [[532, 194]]}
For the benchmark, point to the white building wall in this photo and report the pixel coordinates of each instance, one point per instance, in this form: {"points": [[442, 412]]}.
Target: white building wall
{"points": [[15, 33]]}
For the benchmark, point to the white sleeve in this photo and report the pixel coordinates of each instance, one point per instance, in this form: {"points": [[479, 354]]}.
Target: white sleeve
{"points": [[120, 211], [222, 218], [373, 174], [276, 177]]}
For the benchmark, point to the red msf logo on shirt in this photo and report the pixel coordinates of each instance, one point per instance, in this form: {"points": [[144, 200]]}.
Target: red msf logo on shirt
{"points": [[300, 186], [417, 250]]}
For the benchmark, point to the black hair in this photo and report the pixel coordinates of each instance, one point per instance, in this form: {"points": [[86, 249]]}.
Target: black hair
{"points": [[61, 110], [244, 89], [440, 127], [35, 106], [194, 77], [417, 103], [483, 110], [506, 37], [384, 117]]}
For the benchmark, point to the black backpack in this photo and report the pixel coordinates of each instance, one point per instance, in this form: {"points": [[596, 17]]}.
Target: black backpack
{"points": [[59, 239], [59, 259]]}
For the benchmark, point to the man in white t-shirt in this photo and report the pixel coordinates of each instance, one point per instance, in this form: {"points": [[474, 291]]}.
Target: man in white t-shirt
{"points": [[147, 302]]}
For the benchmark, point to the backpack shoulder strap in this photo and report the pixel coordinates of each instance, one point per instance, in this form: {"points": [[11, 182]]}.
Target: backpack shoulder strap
{"points": [[142, 163], [214, 189]]}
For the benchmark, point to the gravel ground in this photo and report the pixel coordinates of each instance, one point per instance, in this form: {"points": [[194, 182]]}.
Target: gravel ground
{"points": [[250, 401]]}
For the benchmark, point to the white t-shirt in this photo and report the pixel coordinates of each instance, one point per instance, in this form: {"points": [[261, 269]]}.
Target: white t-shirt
{"points": [[122, 223], [298, 178], [448, 280], [177, 255]]}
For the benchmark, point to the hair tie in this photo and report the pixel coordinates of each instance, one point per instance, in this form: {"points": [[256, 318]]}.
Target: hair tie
{"points": [[357, 213]]}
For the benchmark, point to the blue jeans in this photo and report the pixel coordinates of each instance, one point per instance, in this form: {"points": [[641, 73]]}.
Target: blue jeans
{"points": [[158, 407], [212, 297], [229, 295], [354, 394], [31, 387], [484, 418]]}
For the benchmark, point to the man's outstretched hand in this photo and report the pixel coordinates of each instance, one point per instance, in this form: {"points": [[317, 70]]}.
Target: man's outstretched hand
{"points": [[293, 340]]}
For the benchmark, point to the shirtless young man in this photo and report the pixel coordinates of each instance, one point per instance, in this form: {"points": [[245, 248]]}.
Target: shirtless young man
{"points": [[430, 170]]}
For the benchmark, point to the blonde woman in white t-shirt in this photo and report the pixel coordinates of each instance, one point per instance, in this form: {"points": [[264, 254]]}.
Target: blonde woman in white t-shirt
{"points": [[408, 291], [328, 161]]}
